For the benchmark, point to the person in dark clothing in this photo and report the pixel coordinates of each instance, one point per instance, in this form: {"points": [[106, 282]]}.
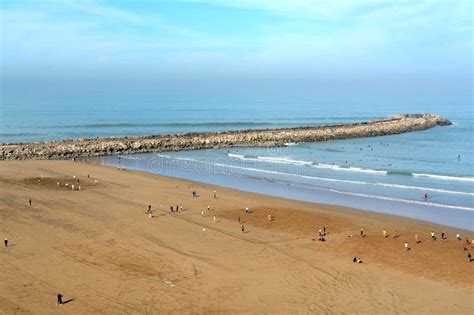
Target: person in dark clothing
{"points": [[443, 236], [6, 242], [469, 257], [171, 208], [29, 201], [59, 299]]}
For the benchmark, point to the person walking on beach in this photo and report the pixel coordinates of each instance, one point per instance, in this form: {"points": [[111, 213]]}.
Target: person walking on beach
{"points": [[465, 246], [406, 246], [443, 236], [5, 242], [469, 257], [238, 219], [433, 236], [361, 232], [202, 212], [458, 237], [59, 299], [215, 194], [29, 201], [208, 207], [385, 233], [395, 234], [242, 228], [214, 219], [149, 212], [417, 239], [171, 209]]}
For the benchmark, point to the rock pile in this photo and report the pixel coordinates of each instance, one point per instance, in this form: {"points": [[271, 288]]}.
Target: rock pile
{"points": [[193, 141]]}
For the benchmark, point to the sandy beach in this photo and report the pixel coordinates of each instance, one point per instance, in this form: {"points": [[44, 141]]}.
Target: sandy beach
{"points": [[99, 248]]}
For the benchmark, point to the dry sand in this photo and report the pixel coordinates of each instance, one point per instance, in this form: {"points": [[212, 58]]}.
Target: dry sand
{"points": [[102, 252]]}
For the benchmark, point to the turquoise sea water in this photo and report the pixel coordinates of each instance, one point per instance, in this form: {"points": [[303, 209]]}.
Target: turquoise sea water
{"points": [[388, 174]]}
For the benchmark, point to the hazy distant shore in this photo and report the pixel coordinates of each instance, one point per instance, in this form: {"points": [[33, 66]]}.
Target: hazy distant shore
{"points": [[194, 141]]}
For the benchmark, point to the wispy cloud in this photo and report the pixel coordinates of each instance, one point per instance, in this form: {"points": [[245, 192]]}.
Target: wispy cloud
{"points": [[266, 36]]}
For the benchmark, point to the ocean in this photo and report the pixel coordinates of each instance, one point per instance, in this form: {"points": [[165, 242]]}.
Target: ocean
{"points": [[389, 174]]}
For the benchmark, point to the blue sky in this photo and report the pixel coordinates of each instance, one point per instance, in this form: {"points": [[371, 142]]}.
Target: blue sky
{"points": [[238, 38]]}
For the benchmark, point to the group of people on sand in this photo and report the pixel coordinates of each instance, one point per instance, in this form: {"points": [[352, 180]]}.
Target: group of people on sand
{"points": [[434, 237], [178, 208], [407, 247]]}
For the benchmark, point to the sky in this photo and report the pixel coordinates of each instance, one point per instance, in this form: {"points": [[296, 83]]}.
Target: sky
{"points": [[200, 39]]}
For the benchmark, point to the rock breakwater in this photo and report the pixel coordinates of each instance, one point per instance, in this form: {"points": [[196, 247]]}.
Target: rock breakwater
{"points": [[193, 141]]}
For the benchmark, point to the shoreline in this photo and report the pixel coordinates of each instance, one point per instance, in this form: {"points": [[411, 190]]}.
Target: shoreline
{"points": [[435, 213], [194, 141], [309, 203], [99, 248]]}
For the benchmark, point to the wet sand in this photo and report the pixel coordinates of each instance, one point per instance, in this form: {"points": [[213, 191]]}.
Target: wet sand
{"points": [[105, 255]]}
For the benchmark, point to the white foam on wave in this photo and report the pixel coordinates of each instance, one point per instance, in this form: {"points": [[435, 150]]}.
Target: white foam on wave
{"points": [[236, 156], [430, 189], [417, 202], [335, 167], [283, 160], [289, 144], [350, 169], [444, 177]]}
